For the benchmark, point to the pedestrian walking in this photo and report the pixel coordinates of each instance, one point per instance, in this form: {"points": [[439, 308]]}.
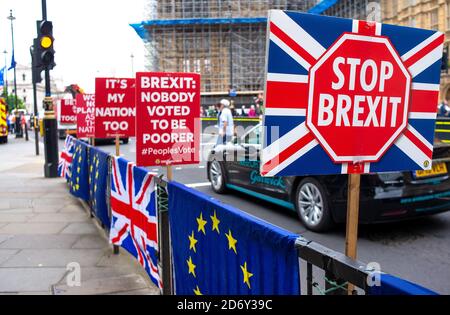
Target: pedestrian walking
{"points": [[243, 113], [226, 123], [12, 123], [233, 110], [19, 131], [443, 109], [8, 124], [258, 110], [23, 122], [252, 111]]}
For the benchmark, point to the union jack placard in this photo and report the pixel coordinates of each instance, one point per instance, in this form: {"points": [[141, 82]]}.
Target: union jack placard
{"points": [[348, 96], [65, 158], [134, 224]]}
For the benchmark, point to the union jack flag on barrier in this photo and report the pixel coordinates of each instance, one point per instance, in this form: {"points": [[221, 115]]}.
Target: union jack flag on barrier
{"points": [[65, 158], [134, 224], [296, 42]]}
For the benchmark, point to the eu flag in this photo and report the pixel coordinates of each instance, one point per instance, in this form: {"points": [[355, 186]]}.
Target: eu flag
{"points": [[2, 76], [392, 285], [13, 62], [98, 175], [218, 249], [79, 180]]}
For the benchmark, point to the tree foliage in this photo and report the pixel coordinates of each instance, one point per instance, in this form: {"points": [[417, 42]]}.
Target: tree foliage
{"points": [[11, 102]]}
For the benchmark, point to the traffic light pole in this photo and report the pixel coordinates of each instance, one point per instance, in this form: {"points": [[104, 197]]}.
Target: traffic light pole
{"points": [[33, 80], [50, 125]]}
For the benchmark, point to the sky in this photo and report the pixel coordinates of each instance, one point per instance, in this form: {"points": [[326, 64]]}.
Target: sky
{"points": [[92, 37]]}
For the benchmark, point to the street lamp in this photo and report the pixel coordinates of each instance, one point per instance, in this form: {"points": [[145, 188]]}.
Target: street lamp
{"points": [[5, 91], [19, 134], [132, 64]]}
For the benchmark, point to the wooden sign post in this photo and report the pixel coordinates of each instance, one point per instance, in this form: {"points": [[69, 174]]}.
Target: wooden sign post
{"points": [[351, 235], [117, 143], [169, 172]]}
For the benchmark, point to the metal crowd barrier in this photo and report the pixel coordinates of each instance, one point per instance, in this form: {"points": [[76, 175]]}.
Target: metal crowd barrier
{"points": [[339, 270], [442, 130]]}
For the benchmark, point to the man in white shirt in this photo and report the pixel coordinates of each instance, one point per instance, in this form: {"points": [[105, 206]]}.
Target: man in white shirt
{"points": [[226, 124]]}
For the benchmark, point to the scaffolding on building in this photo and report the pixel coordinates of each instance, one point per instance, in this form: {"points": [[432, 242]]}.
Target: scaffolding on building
{"points": [[352, 9], [224, 40]]}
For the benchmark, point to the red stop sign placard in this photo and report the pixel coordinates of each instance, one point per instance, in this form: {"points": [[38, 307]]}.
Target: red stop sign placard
{"points": [[358, 98]]}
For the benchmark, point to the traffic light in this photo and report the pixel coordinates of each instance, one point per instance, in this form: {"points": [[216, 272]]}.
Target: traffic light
{"points": [[46, 39], [37, 68], [43, 52]]}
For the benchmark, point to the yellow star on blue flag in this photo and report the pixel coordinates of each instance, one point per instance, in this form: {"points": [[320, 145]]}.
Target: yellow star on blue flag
{"points": [[220, 250]]}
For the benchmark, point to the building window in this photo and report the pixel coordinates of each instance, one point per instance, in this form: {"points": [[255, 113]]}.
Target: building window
{"points": [[186, 65], [24, 77], [434, 23], [197, 66]]}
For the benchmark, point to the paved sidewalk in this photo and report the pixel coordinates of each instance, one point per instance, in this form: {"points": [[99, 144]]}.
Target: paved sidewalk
{"points": [[43, 229]]}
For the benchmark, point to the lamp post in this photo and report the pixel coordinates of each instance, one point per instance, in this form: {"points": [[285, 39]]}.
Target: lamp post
{"points": [[19, 134], [5, 91], [132, 65]]}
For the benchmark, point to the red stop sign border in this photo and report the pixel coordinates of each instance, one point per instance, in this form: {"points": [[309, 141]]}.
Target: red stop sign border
{"points": [[352, 36]]}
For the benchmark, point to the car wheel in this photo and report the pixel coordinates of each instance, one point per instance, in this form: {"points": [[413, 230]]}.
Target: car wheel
{"points": [[312, 205], [216, 176]]}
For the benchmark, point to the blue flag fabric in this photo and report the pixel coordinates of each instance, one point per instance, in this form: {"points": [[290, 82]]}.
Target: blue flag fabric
{"points": [[391, 285], [13, 62], [218, 249], [79, 179], [2, 76], [98, 175]]}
